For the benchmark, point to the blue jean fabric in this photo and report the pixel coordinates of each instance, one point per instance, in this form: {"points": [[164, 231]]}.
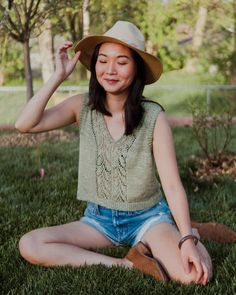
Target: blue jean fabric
{"points": [[126, 227]]}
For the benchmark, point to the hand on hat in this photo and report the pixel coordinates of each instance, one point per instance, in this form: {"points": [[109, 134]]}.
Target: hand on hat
{"points": [[64, 65]]}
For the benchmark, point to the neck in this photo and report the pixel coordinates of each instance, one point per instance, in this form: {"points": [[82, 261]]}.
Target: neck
{"points": [[115, 103]]}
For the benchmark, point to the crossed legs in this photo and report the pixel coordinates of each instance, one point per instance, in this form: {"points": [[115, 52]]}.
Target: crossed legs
{"points": [[67, 244], [74, 244]]}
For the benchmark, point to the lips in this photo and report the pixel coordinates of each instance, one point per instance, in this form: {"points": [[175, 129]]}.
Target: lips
{"points": [[111, 81]]}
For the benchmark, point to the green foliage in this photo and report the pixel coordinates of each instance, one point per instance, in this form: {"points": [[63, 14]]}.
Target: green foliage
{"points": [[68, 21], [218, 38], [168, 25], [212, 124], [23, 19], [163, 35], [12, 65], [218, 44], [106, 12]]}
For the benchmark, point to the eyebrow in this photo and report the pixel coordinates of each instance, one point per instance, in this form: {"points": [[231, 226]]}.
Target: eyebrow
{"points": [[117, 56]]}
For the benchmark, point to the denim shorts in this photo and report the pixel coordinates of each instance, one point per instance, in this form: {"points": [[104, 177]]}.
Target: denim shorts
{"points": [[126, 227]]}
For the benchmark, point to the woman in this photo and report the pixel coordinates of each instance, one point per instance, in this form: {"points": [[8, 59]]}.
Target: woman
{"points": [[125, 141]]}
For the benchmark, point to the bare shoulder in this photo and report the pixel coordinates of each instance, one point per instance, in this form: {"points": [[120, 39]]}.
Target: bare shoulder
{"points": [[162, 126]]}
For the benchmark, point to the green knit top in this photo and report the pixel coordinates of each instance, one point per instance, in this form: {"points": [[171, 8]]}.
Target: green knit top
{"points": [[119, 174]]}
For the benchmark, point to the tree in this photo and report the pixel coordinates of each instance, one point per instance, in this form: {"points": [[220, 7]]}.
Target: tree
{"points": [[3, 40], [214, 25], [105, 13], [233, 58], [45, 41], [159, 22], [69, 20], [197, 40], [73, 22], [21, 19]]}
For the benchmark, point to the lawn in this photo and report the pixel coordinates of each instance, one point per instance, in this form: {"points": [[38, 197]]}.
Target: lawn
{"points": [[28, 202], [173, 91]]}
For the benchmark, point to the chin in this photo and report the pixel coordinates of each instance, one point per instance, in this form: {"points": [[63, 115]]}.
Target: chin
{"points": [[113, 90], [118, 92]]}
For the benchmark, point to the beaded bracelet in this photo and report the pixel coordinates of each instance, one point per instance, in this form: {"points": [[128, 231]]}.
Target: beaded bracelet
{"points": [[195, 239]]}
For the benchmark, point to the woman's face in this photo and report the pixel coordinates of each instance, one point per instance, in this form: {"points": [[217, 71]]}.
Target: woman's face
{"points": [[115, 68]]}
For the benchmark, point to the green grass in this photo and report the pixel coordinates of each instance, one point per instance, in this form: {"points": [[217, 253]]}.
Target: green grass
{"points": [[175, 101], [27, 202]]}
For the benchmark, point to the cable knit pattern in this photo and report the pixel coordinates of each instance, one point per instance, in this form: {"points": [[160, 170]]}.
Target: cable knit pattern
{"points": [[117, 174], [111, 161]]}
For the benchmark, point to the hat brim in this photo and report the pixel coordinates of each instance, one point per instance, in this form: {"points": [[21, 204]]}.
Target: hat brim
{"points": [[87, 45]]}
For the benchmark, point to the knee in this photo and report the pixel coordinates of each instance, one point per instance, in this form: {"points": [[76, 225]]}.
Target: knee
{"points": [[28, 247]]}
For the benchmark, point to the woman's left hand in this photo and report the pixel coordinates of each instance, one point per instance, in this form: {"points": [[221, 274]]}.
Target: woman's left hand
{"points": [[206, 257], [198, 257]]}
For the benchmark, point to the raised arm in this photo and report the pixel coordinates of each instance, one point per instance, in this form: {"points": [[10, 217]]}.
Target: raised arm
{"points": [[34, 117]]}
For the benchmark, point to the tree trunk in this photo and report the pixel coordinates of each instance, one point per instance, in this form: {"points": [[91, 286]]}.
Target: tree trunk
{"points": [[46, 51], [233, 59], [86, 18], [86, 25], [1, 76], [28, 70], [4, 42], [192, 62]]}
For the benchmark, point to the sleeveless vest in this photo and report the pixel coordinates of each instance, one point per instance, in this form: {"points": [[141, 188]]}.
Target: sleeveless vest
{"points": [[119, 174]]}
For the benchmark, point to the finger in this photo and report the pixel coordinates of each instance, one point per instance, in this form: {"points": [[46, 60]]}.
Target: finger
{"points": [[199, 271], [186, 265], [210, 270], [67, 42], [65, 46], [205, 277], [76, 56], [209, 266], [75, 59]]}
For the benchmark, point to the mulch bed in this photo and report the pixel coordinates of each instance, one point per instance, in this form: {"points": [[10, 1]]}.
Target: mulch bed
{"points": [[205, 169], [28, 140]]}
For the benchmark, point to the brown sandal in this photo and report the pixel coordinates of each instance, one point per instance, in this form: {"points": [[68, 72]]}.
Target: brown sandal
{"points": [[215, 231], [142, 259]]}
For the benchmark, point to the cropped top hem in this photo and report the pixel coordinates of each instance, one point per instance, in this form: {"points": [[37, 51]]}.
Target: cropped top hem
{"points": [[111, 204]]}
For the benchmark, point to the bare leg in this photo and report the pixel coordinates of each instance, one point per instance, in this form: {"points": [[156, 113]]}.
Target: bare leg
{"points": [[67, 244], [163, 240]]}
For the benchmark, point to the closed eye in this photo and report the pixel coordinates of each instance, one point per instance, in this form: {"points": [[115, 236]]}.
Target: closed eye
{"points": [[119, 63]]}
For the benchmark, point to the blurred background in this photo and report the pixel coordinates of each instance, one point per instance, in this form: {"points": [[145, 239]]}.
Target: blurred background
{"points": [[195, 40]]}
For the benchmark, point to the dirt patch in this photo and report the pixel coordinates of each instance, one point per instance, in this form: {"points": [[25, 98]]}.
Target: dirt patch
{"points": [[207, 170], [28, 140]]}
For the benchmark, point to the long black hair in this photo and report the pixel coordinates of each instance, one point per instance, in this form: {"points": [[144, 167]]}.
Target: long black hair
{"points": [[134, 111]]}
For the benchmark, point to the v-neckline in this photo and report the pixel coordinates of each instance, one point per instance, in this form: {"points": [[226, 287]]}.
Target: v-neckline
{"points": [[109, 134]]}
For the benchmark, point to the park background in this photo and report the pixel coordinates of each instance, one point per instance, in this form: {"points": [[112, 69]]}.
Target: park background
{"points": [[196, 42]]}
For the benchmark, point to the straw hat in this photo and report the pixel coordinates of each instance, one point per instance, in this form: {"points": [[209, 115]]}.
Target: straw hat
{"points": [[127, 34]]}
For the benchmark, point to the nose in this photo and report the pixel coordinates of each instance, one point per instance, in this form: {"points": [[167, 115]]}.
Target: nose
{"points": [[111, 68]]}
